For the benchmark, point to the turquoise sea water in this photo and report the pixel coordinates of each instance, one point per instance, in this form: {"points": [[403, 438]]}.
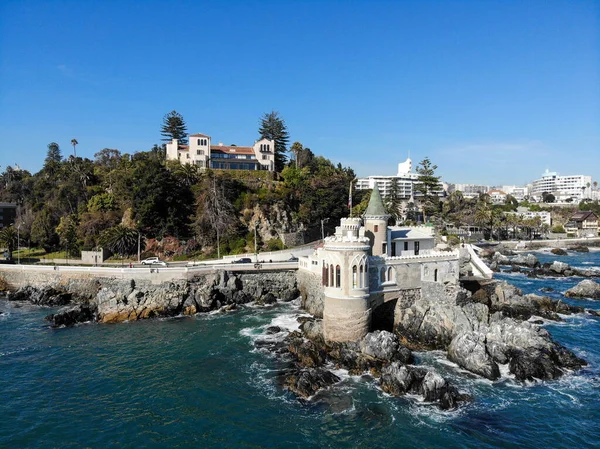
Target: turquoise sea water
{"points": [[200, 382]]}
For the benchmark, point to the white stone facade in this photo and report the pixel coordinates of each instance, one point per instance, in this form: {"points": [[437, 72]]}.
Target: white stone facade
{"points": [[201, 152]]}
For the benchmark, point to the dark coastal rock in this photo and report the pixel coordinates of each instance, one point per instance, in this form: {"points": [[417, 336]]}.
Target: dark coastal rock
{"points": [[546, 289], [468, 350], [543, 363], [46, 296], [79, 314], [307, 382], [559, 252], [579, 249], [273, 330], [585, 289], [593, 312], [398, 380], [532, 363], [528, 260]]}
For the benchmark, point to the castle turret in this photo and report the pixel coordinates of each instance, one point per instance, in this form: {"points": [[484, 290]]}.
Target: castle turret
{"points": [[376, 218], [345, 278]]}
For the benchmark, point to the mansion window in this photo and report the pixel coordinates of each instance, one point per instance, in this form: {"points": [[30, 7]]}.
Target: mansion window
{"points": [[200, 152]]}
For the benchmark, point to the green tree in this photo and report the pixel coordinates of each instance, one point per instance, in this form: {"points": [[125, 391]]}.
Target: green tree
{"points": [[74, 143], [174, 128], [428, 186], [120, 240], [8, 240], [67, 232], [272, 127], [296, 149], [162, 203], [54, 155], [43, 230], [393, 202]]}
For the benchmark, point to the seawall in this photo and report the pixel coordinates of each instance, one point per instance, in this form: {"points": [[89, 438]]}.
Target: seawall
{"points": [[132, 294]]}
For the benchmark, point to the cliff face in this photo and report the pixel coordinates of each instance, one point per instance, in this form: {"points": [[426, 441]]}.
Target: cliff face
{"points": [[113, 300]]}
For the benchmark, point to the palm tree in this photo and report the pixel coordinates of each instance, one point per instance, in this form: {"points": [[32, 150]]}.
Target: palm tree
{"points": [[74, 143], [8, 239], [120, 240]]}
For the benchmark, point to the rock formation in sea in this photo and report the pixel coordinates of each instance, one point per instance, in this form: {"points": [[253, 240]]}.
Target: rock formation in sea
{"points": [[585, 289], [485, 329]]}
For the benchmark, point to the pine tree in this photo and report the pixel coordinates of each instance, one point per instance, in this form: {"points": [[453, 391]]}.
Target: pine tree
{"points": [[174, 128], [272, 127], [53, 156], [428, 185], [393, 201]]}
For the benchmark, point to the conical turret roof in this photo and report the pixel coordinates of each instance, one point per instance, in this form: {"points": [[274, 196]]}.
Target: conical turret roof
{"points": [[376, 207]]}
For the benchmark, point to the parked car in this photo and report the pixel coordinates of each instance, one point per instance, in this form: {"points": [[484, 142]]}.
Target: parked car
{"points": [[154, 261], [243, 260], [293, 259]]}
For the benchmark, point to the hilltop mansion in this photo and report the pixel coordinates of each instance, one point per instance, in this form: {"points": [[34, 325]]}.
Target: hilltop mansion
{"points": [[200, 152]]}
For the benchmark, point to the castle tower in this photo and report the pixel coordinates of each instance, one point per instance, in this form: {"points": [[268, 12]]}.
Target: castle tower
{"points": [[376, 218], [345, 278]]}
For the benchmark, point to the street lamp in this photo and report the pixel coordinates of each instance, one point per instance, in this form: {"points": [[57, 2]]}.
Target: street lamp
{"points": [[19, 244], [325, 220], [255, 246]]}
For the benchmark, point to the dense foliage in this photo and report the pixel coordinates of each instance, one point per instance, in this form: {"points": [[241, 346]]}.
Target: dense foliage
{"points": [[76, 204]]}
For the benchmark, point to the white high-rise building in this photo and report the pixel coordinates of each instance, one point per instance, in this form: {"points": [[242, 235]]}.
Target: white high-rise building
{"points": [[562, 187], [405, 178]]}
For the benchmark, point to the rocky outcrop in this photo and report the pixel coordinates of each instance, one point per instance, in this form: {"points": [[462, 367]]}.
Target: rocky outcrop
{"points": [[528, 260], [398, 380], [46, 296], [585, 289], [78, 314], [379, 353], [559, 252], [468, 350], [482, 330], [115, 300], [579, 249]]}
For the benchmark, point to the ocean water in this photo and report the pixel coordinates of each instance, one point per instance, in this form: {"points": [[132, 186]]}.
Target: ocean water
{"points": [[201, 382]]}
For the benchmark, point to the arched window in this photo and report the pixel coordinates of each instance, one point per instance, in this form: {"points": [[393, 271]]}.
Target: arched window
{"points": [[354, 276], [389, 274], [382, 275], [268, 147], [325, 275], [338, 276], [331, 274], [199, 142], [435, 275], [361, 278]]}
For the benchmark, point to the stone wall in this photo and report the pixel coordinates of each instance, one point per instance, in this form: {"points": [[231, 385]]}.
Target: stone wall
{"points": [[311, 290]]}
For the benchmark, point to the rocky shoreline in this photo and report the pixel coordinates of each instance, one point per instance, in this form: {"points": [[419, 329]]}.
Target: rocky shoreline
{"points": [[481, 327]]}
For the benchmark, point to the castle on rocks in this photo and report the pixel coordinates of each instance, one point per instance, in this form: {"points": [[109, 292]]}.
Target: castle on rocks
{"points": [[367, 264]]}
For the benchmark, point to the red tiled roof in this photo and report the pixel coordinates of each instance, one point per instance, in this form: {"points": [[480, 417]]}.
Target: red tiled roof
{"points": [[198, 135], [583, 216], [232, 150], [183, 147]]}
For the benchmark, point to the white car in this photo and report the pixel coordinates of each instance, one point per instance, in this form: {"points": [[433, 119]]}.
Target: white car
{"points": [[154, 261]]}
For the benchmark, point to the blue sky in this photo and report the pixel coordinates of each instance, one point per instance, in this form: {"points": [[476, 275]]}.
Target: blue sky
{"points": [[492, 92]]}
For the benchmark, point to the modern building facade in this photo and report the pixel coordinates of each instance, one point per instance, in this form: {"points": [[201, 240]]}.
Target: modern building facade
{"points": [[200, 152], [562, 187], [468, 190], [405, 181]]}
